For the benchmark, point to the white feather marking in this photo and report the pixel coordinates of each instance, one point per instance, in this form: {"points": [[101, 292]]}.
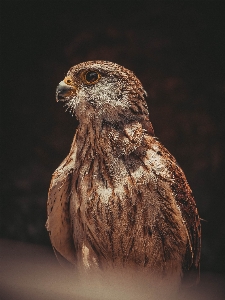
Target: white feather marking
{"points": [[104, 193]]}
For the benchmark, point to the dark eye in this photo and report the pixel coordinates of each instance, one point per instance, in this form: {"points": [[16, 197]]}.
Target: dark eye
{"points": [[92, 77]]}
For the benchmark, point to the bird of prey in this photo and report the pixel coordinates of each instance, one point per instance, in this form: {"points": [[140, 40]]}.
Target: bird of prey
{"points": [[119, 199]]}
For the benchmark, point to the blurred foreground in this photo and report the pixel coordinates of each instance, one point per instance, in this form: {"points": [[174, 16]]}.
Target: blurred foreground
{"points": [[32, 272]]}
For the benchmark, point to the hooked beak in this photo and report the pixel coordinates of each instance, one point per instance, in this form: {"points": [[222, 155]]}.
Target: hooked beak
{"points": [[64, 90]]}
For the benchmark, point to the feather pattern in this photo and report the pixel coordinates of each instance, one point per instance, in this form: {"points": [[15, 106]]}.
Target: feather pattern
{"points": [[119, 198]]}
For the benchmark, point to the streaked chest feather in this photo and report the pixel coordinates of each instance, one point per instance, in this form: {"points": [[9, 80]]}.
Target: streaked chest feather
{"points": [[123, 207]]}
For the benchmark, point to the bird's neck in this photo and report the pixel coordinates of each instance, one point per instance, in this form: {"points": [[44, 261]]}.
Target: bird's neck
{"points": [[118, 139]]}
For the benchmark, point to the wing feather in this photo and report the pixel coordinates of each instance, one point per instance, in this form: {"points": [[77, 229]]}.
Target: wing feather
{"points": [[58, 207], [186, 203]]}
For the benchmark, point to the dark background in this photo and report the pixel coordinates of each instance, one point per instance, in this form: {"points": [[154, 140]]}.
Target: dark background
{"points": [[177, 50]]}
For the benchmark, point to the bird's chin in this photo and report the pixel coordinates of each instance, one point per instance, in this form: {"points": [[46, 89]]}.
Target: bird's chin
{"points": [[70, 103], [81, 109]]}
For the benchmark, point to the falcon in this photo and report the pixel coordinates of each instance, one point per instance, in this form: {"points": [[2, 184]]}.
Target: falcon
{"points": [[119, 199]]}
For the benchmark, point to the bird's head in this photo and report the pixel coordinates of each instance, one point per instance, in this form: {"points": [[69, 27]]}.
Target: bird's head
{"points": [[103, 91]]}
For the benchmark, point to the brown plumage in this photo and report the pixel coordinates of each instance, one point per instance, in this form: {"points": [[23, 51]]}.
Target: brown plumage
{"points": [[119, 199]]}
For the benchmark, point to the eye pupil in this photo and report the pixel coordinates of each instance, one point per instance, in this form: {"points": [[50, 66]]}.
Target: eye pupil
{"points": [[91, 76]]}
